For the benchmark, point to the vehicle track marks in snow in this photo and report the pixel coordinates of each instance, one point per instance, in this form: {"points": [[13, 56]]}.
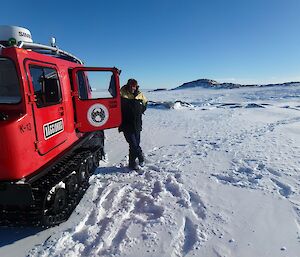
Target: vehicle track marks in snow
{"points": [[99, 228], [187, 239], [120, 210], [120, 237], [178, 242], [190, 236]]}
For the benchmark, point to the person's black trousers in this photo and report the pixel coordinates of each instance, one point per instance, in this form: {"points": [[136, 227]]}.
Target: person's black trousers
{"points": [[135, 151]]}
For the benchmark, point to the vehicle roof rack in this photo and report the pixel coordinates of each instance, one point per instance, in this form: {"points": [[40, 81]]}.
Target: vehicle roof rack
{"points": [[55, 51]]}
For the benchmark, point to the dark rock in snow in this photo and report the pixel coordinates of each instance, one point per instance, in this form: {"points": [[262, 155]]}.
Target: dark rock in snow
{"points": [[229, 105], [254, 105], [158, 89]]}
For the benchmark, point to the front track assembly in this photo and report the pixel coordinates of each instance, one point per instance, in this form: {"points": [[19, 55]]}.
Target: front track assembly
{"points": [[57, 194]]}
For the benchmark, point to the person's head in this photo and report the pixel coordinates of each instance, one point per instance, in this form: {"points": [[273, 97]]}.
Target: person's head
{"points": [[132, 85]]}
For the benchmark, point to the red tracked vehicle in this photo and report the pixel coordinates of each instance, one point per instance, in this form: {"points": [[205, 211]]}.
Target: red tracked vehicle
{"points": [[53, 111]]}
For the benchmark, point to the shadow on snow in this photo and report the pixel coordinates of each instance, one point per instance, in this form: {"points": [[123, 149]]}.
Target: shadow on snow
{"points": [[10, 235]]}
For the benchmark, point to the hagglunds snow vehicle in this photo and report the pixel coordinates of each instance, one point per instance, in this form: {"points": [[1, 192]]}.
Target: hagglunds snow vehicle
{"points": [[53, 111]]}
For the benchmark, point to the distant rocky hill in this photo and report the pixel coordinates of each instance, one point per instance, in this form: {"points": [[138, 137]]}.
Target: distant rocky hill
{"points": [[209, 83]]}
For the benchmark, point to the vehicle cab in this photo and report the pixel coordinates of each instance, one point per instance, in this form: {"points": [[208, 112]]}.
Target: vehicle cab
{"points": [[48, 102]]}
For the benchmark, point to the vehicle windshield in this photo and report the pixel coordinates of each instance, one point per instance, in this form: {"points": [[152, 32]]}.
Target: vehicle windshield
{"points": [[9, 83]]}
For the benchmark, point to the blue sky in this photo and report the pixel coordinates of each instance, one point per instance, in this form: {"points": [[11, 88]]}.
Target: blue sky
{"points": [[164, 43]]}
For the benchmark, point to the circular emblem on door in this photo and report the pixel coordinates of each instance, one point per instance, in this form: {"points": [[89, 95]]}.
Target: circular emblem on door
{"points": [[97, 115]]}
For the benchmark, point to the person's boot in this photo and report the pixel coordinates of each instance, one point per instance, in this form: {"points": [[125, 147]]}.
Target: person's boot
{"points": [[132, 163], [141, 159]]}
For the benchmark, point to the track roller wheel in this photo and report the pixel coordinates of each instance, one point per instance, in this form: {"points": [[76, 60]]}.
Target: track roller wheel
{"points": [[54, 206], [96, 159], [55, 201], [72, 184], [60, 200], [90, 165], [82, 173]]}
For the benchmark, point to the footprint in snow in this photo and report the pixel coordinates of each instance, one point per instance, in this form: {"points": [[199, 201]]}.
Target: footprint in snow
{"points": [[146, 205], [284, 189], [198, 205], [226, 179], [177, 190], [274, 172], [157, 189]]}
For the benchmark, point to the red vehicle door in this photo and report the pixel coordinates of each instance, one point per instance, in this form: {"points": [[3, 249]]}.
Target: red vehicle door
{"points": [[96, 98], [47, 105]]}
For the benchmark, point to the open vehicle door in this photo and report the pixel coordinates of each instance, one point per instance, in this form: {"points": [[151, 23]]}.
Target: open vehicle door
{"points": [[96, 98]]}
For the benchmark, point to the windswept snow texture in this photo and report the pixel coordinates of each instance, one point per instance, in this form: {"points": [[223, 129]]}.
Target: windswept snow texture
{"points": [[221, 178]]}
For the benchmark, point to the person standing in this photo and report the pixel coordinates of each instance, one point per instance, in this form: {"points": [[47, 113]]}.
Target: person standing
{"points": [[133, 106]]}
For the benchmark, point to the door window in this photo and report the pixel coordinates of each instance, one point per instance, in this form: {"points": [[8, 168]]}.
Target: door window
{"points": [[96, 85], [46, 86]]}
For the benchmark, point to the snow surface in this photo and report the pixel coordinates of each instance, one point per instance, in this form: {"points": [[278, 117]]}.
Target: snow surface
{"points": [[222, 178]]}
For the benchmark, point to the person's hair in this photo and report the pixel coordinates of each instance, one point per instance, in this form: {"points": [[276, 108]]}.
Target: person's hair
{"points": [[132, 82]]}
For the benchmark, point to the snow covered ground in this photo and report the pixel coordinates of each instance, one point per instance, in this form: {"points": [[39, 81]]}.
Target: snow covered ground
{"points": [[222, 178]]}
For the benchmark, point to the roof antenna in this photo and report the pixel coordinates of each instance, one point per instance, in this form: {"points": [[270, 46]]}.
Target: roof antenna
{"points": [[53, 42]]}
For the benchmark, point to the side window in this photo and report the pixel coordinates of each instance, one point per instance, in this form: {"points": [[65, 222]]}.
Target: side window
{"points": [[46, 86], [9, 83]]}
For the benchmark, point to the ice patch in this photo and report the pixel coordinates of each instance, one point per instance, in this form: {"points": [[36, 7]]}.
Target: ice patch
{"points": [[177, 105]]}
